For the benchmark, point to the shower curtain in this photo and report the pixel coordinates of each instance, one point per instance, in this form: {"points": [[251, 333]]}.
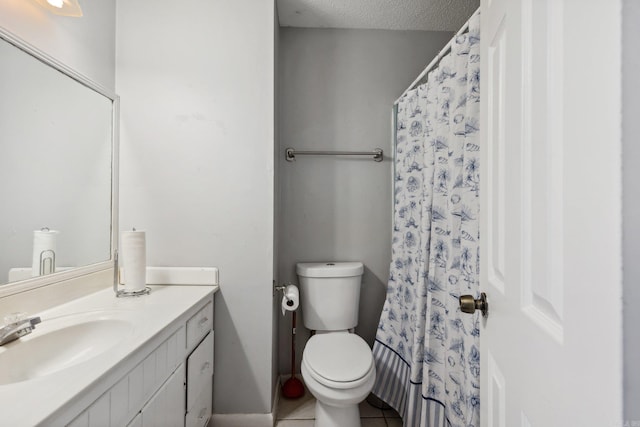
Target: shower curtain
{"points": [[426, 350]]}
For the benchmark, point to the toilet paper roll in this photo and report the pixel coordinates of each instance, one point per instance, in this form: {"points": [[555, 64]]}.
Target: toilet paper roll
{"points": [[44, 252], [134, 260], [291, 298]]}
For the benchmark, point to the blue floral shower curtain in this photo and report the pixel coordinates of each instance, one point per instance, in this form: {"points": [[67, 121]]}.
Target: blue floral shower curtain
{"points": [[426, 350]]}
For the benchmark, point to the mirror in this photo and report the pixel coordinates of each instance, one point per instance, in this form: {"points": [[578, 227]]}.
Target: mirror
{"points": [[58, 142]]}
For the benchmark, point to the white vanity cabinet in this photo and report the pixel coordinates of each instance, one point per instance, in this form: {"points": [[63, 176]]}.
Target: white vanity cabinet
{"points": [[172, 386]]}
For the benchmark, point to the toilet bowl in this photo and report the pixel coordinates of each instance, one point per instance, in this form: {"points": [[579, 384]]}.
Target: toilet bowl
{"points": [[337, 366], [339, 371]]}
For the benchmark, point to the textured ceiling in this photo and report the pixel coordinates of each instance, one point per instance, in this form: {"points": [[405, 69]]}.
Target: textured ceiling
{"points": [[430, 15]]}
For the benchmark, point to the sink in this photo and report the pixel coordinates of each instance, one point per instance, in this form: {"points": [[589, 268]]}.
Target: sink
{"points": [[61, 343]]}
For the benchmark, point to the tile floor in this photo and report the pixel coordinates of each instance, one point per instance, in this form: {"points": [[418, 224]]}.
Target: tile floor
{"points": [[300, 413]]}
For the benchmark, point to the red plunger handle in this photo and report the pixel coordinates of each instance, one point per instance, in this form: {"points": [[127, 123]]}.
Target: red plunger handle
{"points": [[293, 343]]}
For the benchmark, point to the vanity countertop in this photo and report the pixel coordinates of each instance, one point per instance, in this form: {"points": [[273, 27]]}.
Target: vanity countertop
{"points": [[37, 400]]}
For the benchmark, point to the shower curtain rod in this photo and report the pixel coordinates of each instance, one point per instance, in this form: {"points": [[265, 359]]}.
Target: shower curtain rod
{"points": [[438, 57]]}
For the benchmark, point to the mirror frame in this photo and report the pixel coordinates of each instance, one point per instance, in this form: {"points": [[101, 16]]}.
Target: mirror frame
{"points": [[12, 288]]}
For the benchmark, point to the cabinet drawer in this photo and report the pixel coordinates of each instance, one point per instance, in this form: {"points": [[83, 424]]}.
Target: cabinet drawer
{"points": [[199, 414], [199, 370], [199, 325]]}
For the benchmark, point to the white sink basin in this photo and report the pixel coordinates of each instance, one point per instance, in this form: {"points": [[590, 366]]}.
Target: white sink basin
{"points": [[61, 343]]}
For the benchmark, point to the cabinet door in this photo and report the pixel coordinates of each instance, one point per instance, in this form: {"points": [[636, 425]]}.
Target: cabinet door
{"points": [[199, 413], [199, 383], [167, 406], [199, 370]]}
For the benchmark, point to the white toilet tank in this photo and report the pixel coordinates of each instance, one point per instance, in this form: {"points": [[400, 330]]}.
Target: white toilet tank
{"points": [[330, 294]]}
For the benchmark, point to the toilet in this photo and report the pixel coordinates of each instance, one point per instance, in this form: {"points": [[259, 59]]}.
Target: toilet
{"points": [[337, 365]]}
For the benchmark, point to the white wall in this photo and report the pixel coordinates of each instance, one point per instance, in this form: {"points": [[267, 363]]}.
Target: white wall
{"points": [[337, 88], [196, 80], [86, 44], [631, 206], [276, 200]]}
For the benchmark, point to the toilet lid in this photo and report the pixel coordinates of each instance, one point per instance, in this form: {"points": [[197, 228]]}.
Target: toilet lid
{"points": [[338, 357]]}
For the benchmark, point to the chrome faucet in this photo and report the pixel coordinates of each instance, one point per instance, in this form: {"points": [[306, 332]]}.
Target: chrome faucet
{"points": [[17, 326]]}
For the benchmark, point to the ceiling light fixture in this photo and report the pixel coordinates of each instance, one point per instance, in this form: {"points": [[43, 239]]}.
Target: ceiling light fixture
{"points": [[62, 7]]}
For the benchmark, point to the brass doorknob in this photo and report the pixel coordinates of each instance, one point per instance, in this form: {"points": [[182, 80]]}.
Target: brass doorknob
{"points": [[469, 305]]}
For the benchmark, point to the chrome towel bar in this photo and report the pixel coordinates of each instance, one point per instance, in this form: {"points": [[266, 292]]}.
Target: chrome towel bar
{"points": [[290, 154]]}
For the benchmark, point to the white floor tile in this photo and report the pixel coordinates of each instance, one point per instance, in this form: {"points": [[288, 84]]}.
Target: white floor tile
{"points": [[303, 408]]}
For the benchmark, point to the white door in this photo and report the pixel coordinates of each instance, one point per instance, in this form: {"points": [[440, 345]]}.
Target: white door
{"points": [[551, 201]]}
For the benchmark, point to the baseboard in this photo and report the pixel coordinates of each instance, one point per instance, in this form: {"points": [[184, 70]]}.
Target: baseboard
{"points": [[276, 401]]}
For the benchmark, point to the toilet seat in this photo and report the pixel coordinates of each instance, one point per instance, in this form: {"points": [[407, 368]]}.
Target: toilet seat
{"points": [[338, 360]]}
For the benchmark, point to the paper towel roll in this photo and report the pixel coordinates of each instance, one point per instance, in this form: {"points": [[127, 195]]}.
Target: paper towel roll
{"points": [[44, 252], [291, 298], [134, 260]]}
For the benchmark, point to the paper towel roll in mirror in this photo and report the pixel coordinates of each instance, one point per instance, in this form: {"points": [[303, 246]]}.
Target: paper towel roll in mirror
{"points": [[44, 252]]}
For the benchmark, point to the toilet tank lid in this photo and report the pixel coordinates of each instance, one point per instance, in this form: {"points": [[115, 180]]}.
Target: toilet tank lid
{"points": [[329, 269]]}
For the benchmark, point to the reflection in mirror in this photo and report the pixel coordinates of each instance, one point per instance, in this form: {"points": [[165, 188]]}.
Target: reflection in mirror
{"points": [[55, 167]]}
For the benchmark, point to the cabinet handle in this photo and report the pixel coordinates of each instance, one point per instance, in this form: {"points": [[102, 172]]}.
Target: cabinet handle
{"points": [[205, 366], [203, 412], [203, 321]]}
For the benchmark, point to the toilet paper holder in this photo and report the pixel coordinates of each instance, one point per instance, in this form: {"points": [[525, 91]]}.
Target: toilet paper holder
{"points": [[281, 288]]}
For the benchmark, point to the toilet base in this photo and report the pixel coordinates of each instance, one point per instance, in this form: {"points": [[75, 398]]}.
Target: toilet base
{"points": [[332, 416]]}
